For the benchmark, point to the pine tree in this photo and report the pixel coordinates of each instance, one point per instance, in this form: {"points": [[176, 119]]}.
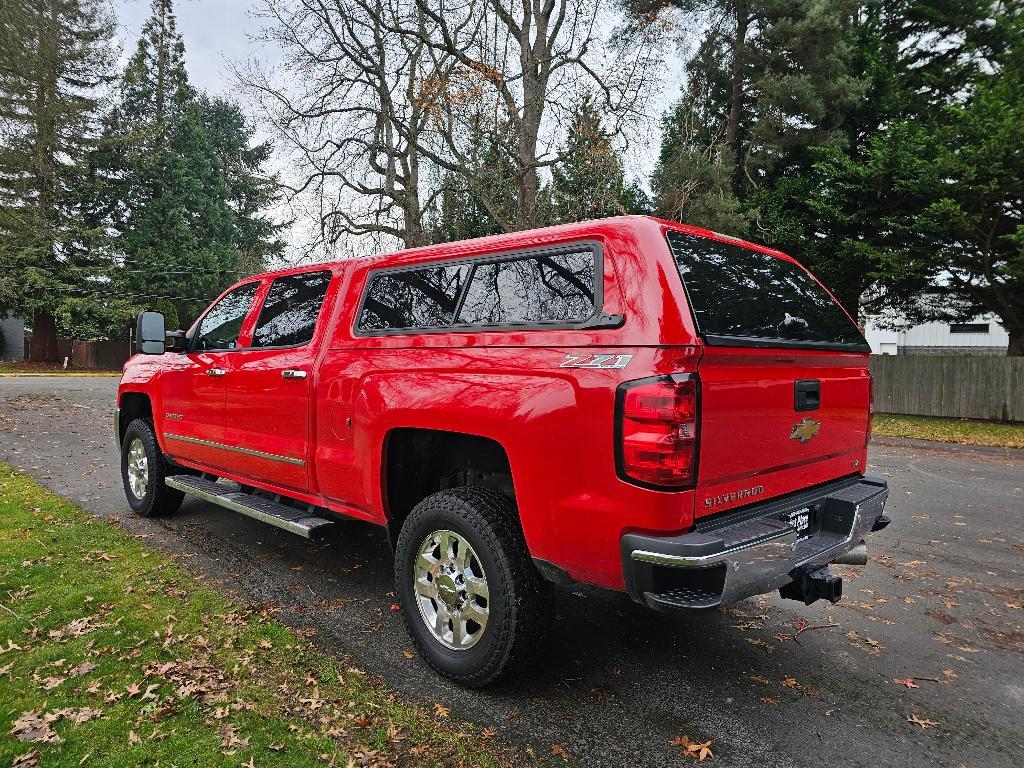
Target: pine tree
{"points": [[849, 207], [54, 60], [462, 211], [588, 181], [181, 187], [768, 79]]}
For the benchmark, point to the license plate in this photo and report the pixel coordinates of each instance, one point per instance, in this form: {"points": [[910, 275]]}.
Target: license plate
{"points": [[800, 521]]}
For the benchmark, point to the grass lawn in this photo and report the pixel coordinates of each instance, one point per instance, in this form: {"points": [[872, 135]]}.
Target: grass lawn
{"points": [[964, 431], [110, 654]]}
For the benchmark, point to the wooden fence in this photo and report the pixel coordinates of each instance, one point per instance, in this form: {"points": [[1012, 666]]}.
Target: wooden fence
{"points": [[962, 386], [102, 355]]}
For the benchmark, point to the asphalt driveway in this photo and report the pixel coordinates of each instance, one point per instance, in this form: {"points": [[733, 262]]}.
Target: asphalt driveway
{"points": [[770, 682]]}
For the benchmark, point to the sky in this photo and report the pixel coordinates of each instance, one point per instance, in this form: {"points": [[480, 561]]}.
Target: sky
{"points": [[214, 31], [217, 32]]}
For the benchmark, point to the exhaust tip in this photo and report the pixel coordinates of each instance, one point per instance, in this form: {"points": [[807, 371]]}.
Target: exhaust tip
{"points": [[856, 556]]}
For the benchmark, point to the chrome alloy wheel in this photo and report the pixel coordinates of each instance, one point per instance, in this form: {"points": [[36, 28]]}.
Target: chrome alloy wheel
{"points": [[451, 590], [138, 468]]}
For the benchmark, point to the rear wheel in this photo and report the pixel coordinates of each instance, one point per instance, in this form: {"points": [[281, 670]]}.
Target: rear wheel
{"points": [[469, 593], [143, 469]]}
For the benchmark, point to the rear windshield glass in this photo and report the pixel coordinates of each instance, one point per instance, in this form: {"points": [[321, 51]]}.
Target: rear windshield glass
{"points": [[742, 296]]}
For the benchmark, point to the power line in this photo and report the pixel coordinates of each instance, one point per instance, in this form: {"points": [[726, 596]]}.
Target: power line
{"points": [[128, 295], [122, 270]]}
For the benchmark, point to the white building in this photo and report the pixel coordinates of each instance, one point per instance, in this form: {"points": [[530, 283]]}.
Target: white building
{"points": [[981, 336]]}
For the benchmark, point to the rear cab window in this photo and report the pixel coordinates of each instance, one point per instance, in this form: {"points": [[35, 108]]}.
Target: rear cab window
{"points": [[530, 290], [743, 297], [289, 312]]}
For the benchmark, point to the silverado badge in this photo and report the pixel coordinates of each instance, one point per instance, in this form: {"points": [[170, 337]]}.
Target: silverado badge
{"points": [[805, 430]]}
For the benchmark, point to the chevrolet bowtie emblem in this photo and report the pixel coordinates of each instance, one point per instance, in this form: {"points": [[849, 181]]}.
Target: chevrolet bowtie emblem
{"points": [[805, 430]]}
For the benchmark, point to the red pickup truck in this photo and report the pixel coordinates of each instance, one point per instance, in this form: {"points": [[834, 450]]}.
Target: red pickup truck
{"points": [[629, 403]]}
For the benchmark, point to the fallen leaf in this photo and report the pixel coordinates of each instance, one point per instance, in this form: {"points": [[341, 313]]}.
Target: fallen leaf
{"points": [[361, 721], [35, 727], [560, 750], [28, 760], [440, 710], [82, 669], [925, 724], [907, 681], [133, 738], [790, 682], [408, 654], [149, 695]]}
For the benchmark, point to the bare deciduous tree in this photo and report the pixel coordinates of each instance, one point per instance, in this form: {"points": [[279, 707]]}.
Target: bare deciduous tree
{"points": [[377, 101], [344, 105]]}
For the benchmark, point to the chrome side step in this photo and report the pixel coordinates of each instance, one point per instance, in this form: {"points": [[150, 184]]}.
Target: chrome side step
{"points": [[292, 519]]}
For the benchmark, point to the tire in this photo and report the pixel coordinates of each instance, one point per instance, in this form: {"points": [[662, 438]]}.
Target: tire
{"points": [[515, 616], [156, 498]]}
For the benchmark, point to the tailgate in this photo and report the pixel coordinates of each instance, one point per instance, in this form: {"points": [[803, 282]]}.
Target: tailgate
{"points": [[755, 444], [784, 383]]}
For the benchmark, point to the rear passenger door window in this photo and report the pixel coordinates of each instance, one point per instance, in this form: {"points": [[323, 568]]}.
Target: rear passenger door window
{"points": [[537, 289], [414, 298], [289, 313]]}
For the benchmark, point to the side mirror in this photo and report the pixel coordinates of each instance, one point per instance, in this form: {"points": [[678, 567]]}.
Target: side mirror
{"points": [[150, 333], [176, 341]]}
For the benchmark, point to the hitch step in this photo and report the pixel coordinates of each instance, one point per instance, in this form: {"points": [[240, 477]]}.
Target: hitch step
{"points": [[300, 521]]}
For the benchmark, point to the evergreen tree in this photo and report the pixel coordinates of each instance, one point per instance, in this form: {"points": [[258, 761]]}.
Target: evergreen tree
{"points": [[845, 207], [768, 79], [181, 186], [588, 181], [54, 60], [462, 211]]}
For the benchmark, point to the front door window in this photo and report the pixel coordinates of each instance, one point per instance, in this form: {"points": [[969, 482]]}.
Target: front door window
{"points": [[221, 325]]}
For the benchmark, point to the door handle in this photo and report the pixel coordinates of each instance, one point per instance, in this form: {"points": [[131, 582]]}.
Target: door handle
{"points": [[292, 373], [215, 371], [807, 395]]}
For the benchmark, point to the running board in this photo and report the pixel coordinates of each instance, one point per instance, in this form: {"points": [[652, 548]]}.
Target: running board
{"points": [[292, 519]]}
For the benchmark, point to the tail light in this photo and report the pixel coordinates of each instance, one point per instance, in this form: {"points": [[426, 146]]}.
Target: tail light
{"points": [[871, 408], [656, 431]]}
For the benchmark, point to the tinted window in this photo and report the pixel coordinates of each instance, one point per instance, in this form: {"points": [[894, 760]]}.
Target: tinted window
{"points": [[289, 312], [418, 298], [221, 325], [742, 294], [555, 288]]}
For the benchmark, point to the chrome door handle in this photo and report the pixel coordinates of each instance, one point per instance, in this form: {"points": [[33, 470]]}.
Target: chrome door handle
{"points": [[215, 371], [291, 373]]}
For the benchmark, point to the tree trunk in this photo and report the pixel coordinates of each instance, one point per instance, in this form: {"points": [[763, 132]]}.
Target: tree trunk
{"points": [[736, 96], [1016, 345], [44, 338]]}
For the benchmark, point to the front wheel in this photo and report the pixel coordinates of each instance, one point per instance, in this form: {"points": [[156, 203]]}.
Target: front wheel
{"points": [[143, 469], [469, 593]]}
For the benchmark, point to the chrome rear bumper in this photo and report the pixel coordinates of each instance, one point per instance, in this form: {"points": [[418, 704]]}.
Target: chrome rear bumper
{"points": [[754, 551]]}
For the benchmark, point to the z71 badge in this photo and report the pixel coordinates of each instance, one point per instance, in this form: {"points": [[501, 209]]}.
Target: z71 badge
{"points": [[596, 361]]}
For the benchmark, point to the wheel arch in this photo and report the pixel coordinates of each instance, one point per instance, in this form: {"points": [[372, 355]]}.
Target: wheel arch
{"points": [[131, 406], [417, 462]]}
